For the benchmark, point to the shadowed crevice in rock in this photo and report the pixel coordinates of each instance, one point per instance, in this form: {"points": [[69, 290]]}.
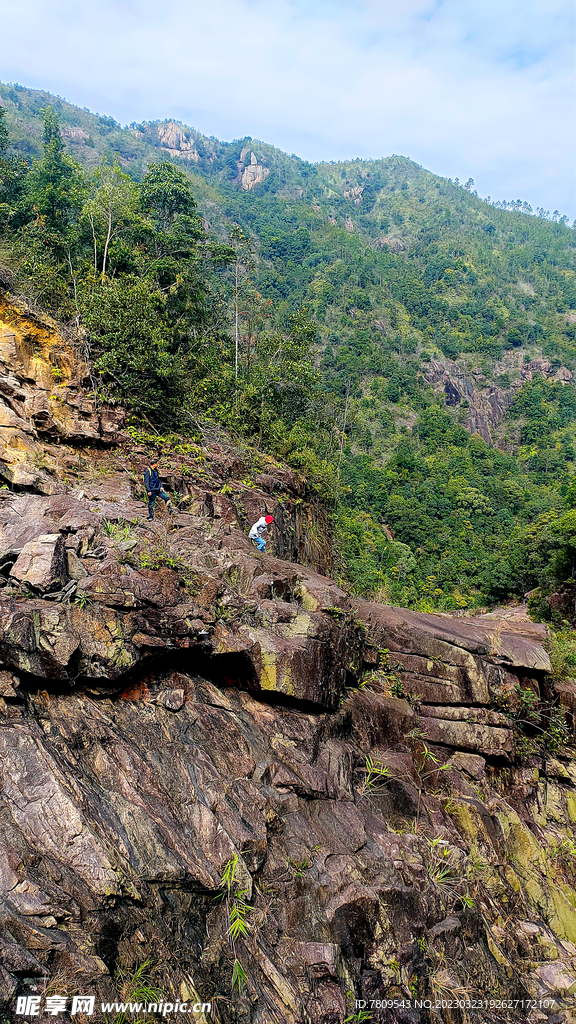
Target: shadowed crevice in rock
{"points": [[226, 671]]}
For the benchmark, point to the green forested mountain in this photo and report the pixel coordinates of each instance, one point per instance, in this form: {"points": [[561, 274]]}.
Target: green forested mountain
{"points": [[407, 344]]}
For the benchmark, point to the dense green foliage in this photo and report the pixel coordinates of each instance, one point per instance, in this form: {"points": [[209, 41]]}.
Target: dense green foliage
{"points": [[307, 315]]}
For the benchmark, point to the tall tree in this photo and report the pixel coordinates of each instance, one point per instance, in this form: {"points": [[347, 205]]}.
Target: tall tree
{"points": [[13, 174], [244, 263], [3, 132], [112, 205], [165, 194], [57, 186], [126, 321]]}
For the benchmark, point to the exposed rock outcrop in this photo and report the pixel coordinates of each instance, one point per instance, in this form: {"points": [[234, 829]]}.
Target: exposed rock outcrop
{"points": [[42, 399], [486, 402], [122, 814], [250, 174], [177, 142], [354, 192], [76, 134], [174, 704]]}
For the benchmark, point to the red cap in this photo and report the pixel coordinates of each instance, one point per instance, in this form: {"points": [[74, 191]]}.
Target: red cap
{"points": [[269, 519]]}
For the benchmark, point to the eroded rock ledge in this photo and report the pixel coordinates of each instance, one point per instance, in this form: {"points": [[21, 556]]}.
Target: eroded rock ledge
{"points": [[160, 719], [171, 700]]}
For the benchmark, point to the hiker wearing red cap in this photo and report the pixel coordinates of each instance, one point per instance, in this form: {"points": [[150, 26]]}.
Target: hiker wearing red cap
{"points": [[258, 529]]}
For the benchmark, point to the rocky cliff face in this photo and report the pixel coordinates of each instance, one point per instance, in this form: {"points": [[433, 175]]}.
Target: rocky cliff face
{"points": [[177, 141], [250, 173], [484, 403], [43, 401], [176, 707]]}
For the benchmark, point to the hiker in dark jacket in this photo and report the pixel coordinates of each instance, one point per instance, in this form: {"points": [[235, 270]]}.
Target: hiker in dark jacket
{"points": [[154, 489]]}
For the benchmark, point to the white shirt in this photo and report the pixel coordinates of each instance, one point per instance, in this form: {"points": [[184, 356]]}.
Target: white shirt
{"points": [[258, 529]]}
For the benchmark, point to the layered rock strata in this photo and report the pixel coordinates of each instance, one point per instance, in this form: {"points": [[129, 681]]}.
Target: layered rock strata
{"points": [[175, 705]]}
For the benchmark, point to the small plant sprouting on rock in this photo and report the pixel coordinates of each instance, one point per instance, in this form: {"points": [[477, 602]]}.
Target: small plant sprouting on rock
{"points": [[443, 870], [445, 987], [119, 531], [239, 976], [564, 850], [557, 733], [427, 756], [476, 864], [547, 721], [450, 805], [397, 688], [376, 775], [360, 1017], [384, 678], [524, 747], [384, 659], [159, 557], [528, 703], [414, 700], [422, 758], [561, 646], [298, 867], [155, 559], [136, 987], [237, 909], [539, 726]]}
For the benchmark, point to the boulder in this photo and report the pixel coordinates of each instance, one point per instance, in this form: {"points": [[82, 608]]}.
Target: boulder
{"points": [[42, 563], [173, 700]]}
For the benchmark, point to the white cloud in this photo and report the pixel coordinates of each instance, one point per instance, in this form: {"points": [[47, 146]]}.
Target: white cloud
{"points": [[479, 87]]}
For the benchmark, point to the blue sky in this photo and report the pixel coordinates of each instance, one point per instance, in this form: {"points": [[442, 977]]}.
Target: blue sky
{"points": [[467, 88]]}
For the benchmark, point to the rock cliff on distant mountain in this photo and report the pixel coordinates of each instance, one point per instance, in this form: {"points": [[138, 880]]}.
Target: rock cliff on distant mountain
{"points": [[250, 174], [174, 702], [485, 403], [177, 142]]}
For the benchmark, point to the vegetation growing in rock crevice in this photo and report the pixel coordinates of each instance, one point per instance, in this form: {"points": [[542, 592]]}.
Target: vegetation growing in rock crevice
{"points": [[237, 910]]}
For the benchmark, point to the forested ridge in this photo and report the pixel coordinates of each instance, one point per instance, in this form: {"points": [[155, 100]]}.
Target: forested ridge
{"points": [[406, 344]]}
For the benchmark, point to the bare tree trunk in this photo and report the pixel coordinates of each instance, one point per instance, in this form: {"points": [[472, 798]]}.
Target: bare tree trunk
{"points": [[73, 276], [261, 423], [236, 320], [95, 249], [343, 435], [109, 233]]}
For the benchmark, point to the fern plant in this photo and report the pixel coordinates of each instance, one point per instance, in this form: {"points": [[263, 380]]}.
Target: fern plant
{"points": [[137, 987], [237, 910]]}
